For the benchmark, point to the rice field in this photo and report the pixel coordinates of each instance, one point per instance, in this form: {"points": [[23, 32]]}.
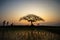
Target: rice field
{"points": [[28, 35]]}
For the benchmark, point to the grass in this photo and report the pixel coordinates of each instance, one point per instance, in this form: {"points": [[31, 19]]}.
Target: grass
{"points": [[29, 32], [54, 29]]}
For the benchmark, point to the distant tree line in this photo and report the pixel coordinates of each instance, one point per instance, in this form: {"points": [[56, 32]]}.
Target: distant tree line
{"points": [[6, 23]]}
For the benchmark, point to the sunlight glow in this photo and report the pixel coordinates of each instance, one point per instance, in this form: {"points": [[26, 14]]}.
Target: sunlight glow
{"points": [[12, 11]]}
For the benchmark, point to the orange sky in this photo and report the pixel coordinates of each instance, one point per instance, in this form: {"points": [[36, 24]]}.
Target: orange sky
{"points": [[13, 10]]}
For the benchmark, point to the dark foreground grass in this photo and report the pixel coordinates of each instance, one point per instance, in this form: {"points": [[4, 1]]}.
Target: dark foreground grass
{"points": [[54, 29], [29, 33]]}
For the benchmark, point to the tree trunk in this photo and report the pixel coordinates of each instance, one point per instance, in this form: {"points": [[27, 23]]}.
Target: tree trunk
{"points": [[31, 23]]}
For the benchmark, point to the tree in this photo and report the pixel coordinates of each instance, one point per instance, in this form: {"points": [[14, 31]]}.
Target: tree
{"points": [[31, 18], [4, 22], [7, 23]]}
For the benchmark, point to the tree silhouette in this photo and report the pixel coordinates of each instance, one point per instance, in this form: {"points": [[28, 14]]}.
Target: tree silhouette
{"points": [[4, 22], [7, 23], [12, 24], [31, 18]]}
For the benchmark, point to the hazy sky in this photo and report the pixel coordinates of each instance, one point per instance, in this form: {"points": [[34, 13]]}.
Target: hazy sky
{"points": [[12, 10]]}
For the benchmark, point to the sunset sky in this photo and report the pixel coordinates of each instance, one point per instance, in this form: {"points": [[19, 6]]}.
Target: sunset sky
{"points": [[13, 10]]}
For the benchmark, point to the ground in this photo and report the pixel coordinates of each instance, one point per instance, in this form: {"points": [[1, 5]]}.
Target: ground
{"points": [[29, 33]]}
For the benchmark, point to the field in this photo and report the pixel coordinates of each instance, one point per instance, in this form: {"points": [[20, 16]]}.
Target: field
{"points": [[29, 33]]}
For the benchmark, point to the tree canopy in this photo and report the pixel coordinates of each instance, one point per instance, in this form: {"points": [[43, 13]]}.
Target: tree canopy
{"points": [[31, 18]]}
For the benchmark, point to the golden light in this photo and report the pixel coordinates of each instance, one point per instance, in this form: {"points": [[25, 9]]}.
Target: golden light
{"points": [[30, 9]]}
